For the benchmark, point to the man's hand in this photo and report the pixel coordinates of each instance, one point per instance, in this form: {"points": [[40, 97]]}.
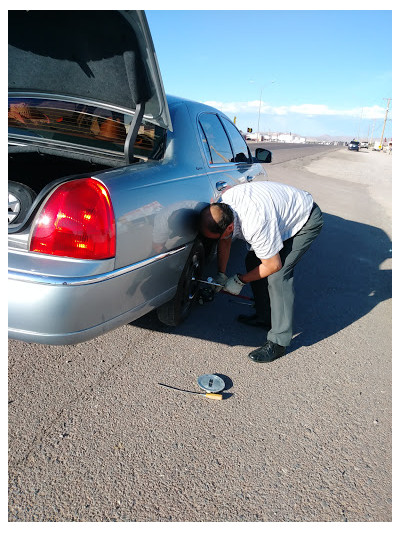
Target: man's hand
{"points": [[234, 285], [221, 279]]}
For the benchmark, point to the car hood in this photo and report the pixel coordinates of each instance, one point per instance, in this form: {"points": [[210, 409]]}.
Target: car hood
{"points": [[105, 57]]}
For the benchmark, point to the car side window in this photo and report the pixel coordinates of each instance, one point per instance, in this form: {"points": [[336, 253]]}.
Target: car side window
{"points": [[240, 149], [218, 146]]}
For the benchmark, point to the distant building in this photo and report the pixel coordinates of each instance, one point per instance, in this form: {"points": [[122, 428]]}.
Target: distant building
{"points": [[289, 138], [285, 137], [299, 140]]}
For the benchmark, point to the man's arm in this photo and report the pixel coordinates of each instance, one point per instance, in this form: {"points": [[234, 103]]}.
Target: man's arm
{"points": [[265, 269], [224, 249]]}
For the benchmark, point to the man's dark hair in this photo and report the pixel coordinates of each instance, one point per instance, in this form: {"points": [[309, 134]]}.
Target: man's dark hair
{"points": [[226, 218]]}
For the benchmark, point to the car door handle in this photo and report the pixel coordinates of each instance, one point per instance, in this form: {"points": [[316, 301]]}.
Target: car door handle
{"points": [[250, 178], [221, 185]]}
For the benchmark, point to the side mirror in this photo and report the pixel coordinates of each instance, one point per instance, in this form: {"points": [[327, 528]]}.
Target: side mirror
{"points": [[263, 155]]}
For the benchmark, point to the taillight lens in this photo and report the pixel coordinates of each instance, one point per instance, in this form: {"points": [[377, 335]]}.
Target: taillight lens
{"points": [[76, 221]]}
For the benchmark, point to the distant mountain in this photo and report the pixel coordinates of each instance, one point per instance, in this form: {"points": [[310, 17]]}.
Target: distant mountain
{"points": [[332, 138], [326, 137]]}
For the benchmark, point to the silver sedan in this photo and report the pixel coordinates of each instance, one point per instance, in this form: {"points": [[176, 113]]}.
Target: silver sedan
{"points": [[106, 178]]}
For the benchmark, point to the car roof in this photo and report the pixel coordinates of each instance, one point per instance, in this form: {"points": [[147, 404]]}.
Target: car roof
{"points": [[175, 100]]}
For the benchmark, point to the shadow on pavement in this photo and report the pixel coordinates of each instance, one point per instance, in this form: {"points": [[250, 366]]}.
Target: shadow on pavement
{"points": [[337, 282]]}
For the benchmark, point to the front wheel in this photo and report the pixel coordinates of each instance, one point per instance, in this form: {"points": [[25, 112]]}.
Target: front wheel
{"points": [[178, 309]]}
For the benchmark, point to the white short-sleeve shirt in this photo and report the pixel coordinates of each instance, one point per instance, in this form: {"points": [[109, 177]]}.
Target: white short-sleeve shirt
{"points": [[267, 213]]}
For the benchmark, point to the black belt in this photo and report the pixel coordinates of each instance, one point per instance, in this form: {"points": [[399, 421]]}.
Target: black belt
{"points": [[312, 209]]}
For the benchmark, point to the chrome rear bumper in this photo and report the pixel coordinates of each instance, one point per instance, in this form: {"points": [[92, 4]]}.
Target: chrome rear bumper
{"points": [[68, 310]]}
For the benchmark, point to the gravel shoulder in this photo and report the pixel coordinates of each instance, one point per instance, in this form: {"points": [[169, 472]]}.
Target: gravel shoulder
{"points": [[370, 168], [340, 179]]}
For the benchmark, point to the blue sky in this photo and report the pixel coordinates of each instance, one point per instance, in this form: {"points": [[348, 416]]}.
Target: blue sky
{"points": [[315, 72]]}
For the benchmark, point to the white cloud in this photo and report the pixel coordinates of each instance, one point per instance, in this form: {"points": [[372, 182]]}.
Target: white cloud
{"points": [[374, 112]]}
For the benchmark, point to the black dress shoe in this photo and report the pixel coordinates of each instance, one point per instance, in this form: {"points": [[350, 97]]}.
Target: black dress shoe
{"points": [[267, 353], [253, 320]]}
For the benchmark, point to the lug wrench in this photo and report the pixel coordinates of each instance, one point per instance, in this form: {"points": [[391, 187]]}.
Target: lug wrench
{"points": [[208, 282], [222, 290]]}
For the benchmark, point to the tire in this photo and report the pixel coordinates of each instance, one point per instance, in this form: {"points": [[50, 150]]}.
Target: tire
{"points": [[178, 309], [20, 200]]}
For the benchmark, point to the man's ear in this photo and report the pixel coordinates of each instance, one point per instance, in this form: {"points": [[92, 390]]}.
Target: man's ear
{"points": [[228, 232]]}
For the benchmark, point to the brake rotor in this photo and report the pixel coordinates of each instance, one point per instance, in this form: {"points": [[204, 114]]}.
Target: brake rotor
{"points": [[211, 383]]}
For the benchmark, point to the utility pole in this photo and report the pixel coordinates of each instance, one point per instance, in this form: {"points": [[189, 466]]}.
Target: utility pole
{"points": [[384, 122], [259, 113], [372, 134]]}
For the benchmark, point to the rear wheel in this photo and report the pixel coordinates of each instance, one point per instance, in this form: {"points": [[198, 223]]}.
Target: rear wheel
{"points": [[20, 200], [177, 310]]}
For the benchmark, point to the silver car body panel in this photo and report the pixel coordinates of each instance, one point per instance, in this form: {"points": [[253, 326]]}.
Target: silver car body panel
{"points": [[67, 279], [68, 310]]}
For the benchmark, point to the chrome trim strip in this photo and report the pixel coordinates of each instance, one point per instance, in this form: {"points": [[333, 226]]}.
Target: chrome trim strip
{"points": [[23, 275]]}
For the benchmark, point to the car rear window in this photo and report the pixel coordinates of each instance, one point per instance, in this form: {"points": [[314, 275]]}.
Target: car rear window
{"points": [[86, 125]]}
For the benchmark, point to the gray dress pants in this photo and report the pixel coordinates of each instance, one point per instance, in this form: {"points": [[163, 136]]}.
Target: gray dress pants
{"points": [[274, 295]]}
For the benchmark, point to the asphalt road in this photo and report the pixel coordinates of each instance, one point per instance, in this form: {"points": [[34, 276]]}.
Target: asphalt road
{"points": [[94, 437], [283, 152]]}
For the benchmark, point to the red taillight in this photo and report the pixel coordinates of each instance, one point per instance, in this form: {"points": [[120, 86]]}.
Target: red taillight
{"points": [[76, 221]]}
